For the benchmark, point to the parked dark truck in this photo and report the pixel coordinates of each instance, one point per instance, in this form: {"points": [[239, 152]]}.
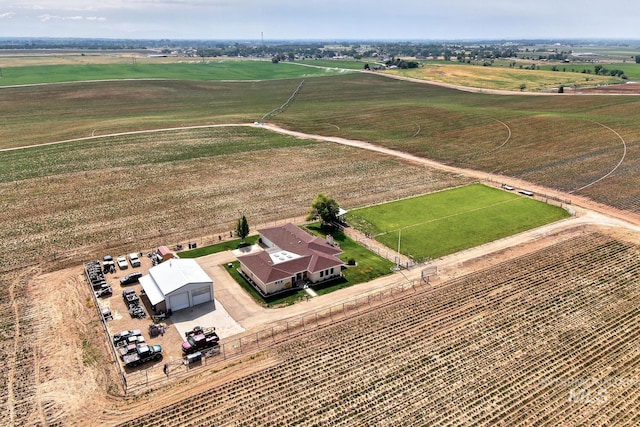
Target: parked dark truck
{"points": [[200, 339], [144, 353]]}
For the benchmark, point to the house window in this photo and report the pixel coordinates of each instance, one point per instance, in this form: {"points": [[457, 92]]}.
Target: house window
{"points": [[321, 273], [278, 282], [331, 270]]}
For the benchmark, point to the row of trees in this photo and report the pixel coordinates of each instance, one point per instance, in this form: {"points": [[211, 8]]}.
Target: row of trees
{"points": [[601, 70]]}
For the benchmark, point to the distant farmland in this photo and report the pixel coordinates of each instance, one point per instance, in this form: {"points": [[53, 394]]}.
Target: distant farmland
{"points": [[546, 337], [438, 224], [187, 70], [562, 142]]}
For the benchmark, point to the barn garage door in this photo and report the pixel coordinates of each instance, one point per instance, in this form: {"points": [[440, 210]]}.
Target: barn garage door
{"points": [[201, 295], [179, 301]]}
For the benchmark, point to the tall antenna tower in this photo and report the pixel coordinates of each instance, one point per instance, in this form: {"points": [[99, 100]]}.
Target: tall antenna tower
{"points": [[262, 37]]}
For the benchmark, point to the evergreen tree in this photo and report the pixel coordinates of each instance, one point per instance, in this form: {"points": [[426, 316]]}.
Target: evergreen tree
{"points": [[242, 229]]}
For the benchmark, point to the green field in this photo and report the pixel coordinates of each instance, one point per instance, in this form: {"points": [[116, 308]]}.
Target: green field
{"points": [[442, 223], [195, 70], [631, 69]]}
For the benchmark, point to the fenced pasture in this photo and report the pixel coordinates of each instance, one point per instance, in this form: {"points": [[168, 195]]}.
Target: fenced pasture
{"points": [[546, 338], [135, 192], [449, 221], [189, 69]]}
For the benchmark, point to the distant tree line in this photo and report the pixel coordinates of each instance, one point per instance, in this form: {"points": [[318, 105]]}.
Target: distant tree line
{"points": [[472, 52]]}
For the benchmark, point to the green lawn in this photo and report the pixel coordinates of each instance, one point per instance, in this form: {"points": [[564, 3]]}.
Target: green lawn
{"points": [[274, 302], [442, 223], [369, 265], [229, 245]]}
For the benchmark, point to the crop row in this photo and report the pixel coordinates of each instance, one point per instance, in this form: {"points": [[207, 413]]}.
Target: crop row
{"points": [[186, 197], [503, 346]]}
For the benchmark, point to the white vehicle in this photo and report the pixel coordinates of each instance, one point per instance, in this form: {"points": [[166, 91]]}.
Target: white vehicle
{"points": [[134, 260], [122, 263]]}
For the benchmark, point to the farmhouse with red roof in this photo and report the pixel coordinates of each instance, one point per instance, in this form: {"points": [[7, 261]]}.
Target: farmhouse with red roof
{"points": [[291, 257]]}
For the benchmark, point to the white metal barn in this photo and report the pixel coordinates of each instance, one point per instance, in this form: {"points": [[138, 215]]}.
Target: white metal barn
{"points": [[177, 284]]}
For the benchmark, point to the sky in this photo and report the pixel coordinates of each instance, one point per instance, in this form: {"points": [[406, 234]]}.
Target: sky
{"points": [[321, 19]]}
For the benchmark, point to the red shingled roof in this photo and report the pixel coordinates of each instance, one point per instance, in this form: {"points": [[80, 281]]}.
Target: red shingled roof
{"points": [[315, 254]]}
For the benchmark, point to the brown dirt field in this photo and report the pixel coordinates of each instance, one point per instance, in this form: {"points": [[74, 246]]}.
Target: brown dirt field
{"points": [[70, 366], [64, 295], [621, 89], [113, 410]]}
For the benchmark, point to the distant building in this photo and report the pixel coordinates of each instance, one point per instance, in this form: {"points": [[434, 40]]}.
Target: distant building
{"points": [[291, 258]]}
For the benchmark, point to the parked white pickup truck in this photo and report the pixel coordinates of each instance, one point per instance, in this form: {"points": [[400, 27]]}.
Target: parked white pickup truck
{"points": [[134, 260]]}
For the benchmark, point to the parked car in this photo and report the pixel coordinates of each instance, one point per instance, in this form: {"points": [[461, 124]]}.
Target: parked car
{"points": [[122, 263], [134, 260], [130, 278]]}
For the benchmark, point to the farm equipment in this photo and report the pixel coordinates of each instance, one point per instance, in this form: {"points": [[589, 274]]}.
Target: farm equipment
{"points": [[143, 353], [124, 336], [159, 317], [192, 358], [200, 339], [137, 311], [104, 291], [130, 297], [106, 313], [156, 329], [95, 275]]}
